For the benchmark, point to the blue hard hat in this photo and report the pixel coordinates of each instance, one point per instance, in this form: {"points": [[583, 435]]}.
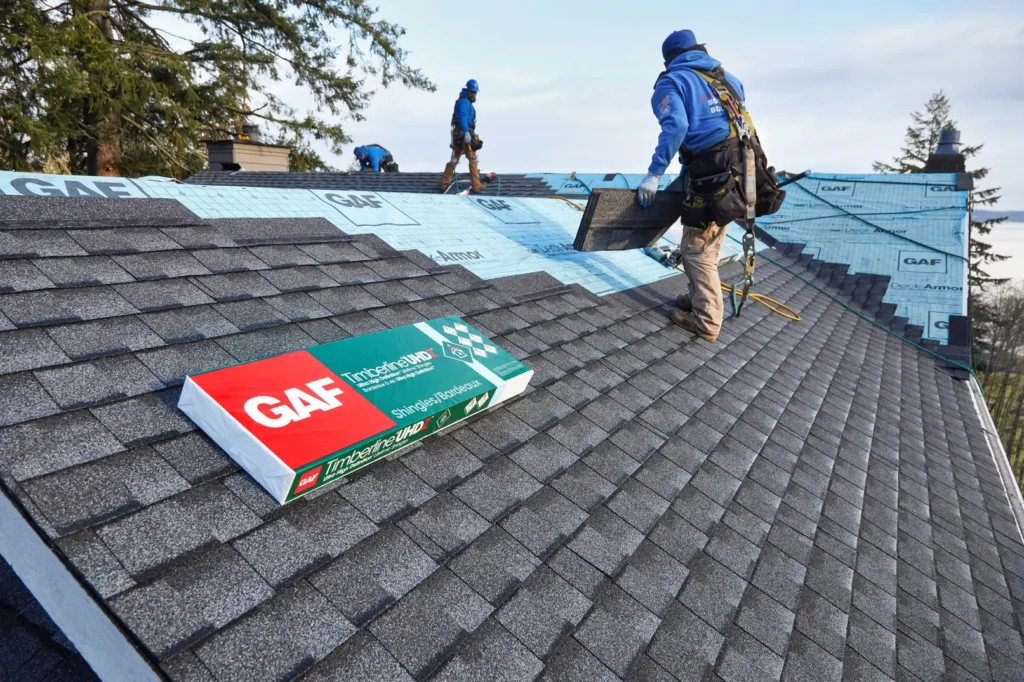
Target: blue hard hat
{"points": [[472, 85], [678, 41]]}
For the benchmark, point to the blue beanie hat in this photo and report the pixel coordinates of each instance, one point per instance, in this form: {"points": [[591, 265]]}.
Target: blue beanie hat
{"points": [[678, 42]]}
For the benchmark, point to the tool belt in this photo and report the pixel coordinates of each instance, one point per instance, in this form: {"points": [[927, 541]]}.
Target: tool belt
{"points": [[477, 144], [713, 190]]}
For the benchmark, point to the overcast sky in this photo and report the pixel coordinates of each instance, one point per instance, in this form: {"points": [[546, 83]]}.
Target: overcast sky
{"points": [[566, 87]]}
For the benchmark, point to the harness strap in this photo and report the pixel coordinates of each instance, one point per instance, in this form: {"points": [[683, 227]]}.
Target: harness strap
{"points": [[740, 126]]}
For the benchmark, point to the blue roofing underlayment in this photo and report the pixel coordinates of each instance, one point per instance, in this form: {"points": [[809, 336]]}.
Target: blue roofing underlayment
{"points": [[912, 228]]}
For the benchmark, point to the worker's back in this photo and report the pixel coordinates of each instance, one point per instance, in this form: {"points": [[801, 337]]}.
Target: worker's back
{"points": [[708, 120]]}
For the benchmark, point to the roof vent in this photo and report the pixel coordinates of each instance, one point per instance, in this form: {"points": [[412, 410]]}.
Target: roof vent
{"points": [[949, 142], [947, 157], [251, 132]]}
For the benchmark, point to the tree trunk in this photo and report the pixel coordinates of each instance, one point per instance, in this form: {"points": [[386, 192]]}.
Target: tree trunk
{"points": [[103, 147]]}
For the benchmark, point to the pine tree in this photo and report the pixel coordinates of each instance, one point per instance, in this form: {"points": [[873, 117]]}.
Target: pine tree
{"points": [[133, 87]]}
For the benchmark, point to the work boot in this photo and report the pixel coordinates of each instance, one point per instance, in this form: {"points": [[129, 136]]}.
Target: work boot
{"points": [[684, 302], [474, 178], [686, 321], [446, 178]]}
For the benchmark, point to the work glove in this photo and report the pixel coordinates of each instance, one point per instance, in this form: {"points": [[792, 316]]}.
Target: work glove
{"points": [[647, 189], [467, 137]]}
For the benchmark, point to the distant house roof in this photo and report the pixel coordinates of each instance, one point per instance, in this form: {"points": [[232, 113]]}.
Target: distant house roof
{"points": [[814, 500]]}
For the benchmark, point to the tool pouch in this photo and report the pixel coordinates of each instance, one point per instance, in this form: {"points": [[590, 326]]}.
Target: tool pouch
{"points": [[477, 144], [769, 196]]}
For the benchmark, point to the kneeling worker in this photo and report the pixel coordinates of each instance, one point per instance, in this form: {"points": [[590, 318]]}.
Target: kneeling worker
{"points": [[701, 111], [464, 139], [373, 157]]}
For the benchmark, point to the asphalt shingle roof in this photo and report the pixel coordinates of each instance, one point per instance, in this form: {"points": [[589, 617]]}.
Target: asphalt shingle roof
{"points": [[800, 501], [512, 185]]}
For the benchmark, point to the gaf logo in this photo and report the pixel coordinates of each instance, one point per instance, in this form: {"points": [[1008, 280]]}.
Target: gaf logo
{"points": [[273, 413], [495, 204], [922, 261], [506, 211], [308, 479], [295, 406], [58, 187], [938, 325], [836, 188], [365, 209], [355, 200]]}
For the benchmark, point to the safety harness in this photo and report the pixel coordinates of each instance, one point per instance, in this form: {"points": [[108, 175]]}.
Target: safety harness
{"points": [[742, 127], [732, 181]]}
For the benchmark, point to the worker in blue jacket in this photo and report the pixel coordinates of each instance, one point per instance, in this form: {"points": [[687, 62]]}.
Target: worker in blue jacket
{"points": [[464, 138], [373, 157], [697, 104]]}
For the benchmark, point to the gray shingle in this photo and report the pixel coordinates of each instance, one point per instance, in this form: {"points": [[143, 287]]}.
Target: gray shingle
{"points": [[544, 521], [236, 286], [280, 553], [497, 488], [161, 264], [282, 255], [373, 574], [173, 363], [282, 638], [195, 457], [203, 595], [685, 645], [53, 443], [542, 610], [494, 565], [386, 492], [28, 349], [174, 530], [361, 657], [652, 577], [264, 343], [120, 240], [162, 294], [79, 271], [103, 337], [228, 260], [606, 541], [52, 306], [144, 419], [448, 522], [22, 398], [187, 324], [98, 490], [451, 607], [492, 653]]}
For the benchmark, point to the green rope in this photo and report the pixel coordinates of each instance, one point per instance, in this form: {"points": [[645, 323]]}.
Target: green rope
{"points": [[868, 319]]}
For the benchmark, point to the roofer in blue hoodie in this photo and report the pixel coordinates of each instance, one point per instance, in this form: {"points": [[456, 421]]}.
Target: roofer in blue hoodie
{"points": [[464, 139], [696, 102], [373, 157]]}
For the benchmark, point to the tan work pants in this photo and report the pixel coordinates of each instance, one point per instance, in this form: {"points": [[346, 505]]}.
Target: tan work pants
{"points": [[701, 250]]}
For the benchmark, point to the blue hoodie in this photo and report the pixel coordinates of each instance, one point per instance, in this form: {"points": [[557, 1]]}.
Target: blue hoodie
{"points": [[465, 113], [370, 157], [688, 109]]}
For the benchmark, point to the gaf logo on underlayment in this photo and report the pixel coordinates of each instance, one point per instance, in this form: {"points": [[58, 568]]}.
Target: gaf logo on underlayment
{"points": [[922, 261], [940, 190], [836, 188], [365, 209], [505, 211], [54, 186], [938, 325]]}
